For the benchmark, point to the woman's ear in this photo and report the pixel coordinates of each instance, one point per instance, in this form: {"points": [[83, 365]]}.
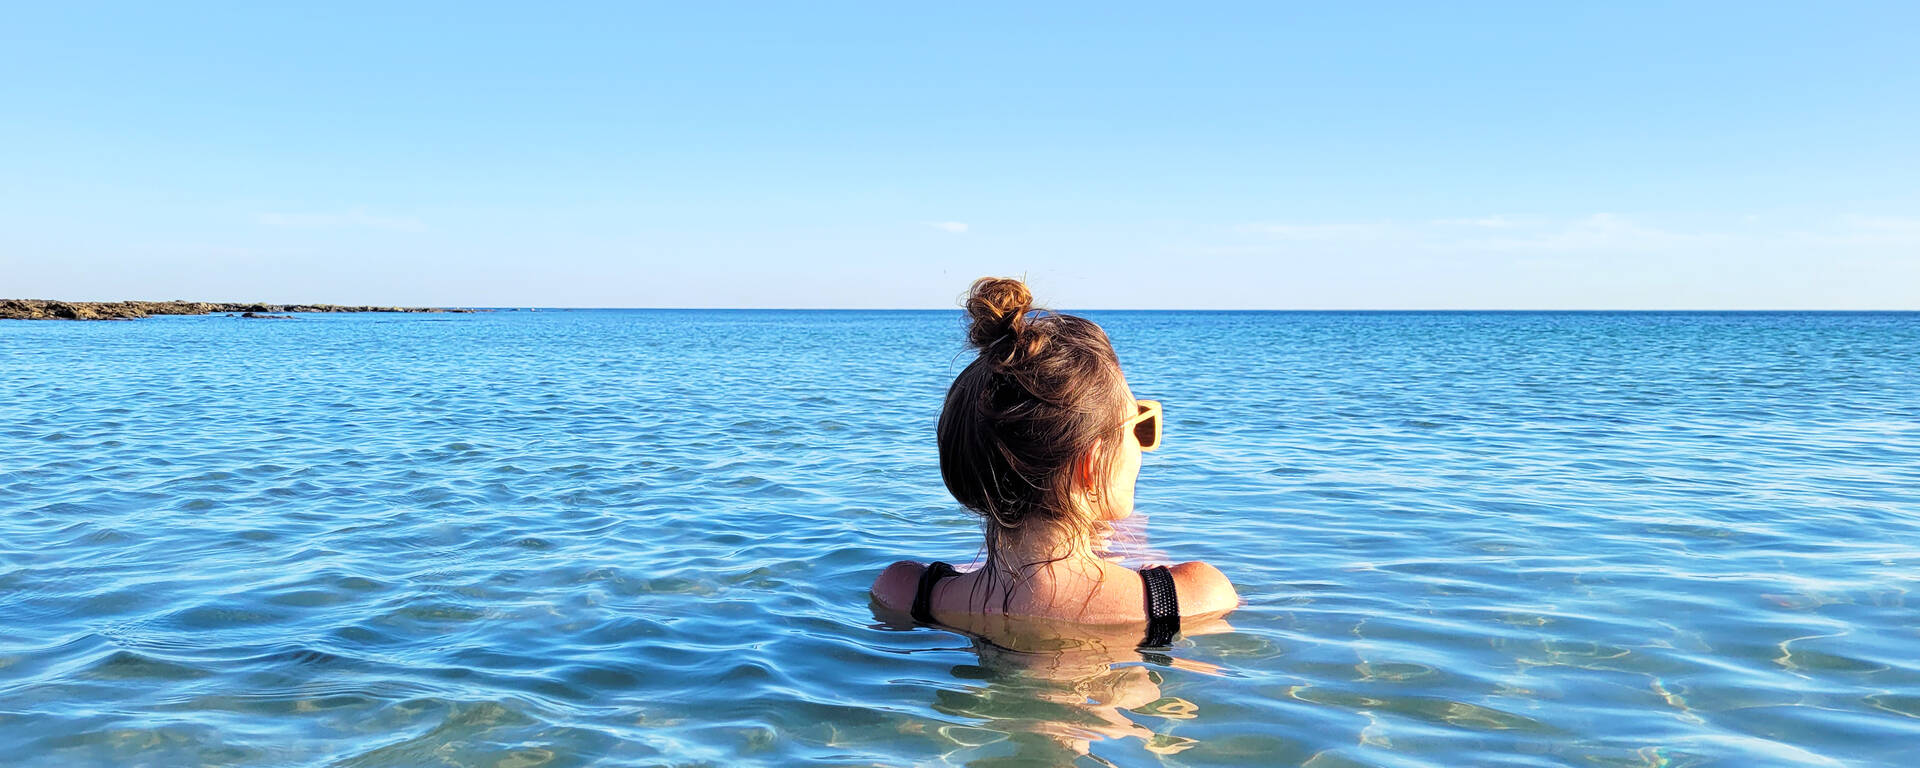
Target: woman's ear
{"points": [[1083, 466]]}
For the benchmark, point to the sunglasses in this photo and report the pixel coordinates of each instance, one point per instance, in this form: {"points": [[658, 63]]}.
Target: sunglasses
{"points": [[1146, 424]]}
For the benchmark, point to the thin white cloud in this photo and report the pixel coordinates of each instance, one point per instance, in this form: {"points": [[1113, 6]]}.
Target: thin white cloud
{"points": [[1595, 234], [1483, 222], [950, 227], [1599, 232], [1603, 260], [1880, 229], [354, 219], [1332, 231]]}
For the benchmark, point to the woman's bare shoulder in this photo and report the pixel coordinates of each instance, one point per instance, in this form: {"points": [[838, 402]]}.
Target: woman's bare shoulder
{"points": [[1202, 589], [897, 584]]}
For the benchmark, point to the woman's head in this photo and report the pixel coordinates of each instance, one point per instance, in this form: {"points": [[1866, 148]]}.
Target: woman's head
{"points": [[1030, 437]]}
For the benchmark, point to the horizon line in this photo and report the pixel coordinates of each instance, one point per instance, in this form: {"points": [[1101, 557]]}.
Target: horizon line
{"points": [[523, 307], [562, 307]]}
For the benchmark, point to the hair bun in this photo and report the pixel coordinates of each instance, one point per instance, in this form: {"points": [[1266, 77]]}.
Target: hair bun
{"points": [[999, 308]]}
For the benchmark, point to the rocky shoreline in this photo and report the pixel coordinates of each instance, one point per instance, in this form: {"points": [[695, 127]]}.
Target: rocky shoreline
{"points": [[42, 309]]}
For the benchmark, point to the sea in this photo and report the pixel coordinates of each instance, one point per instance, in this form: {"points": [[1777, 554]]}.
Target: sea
{"points": [[645, 538]]}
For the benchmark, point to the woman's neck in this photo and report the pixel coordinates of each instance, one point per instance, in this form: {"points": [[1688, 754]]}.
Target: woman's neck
{"points": [[1016, 551]]}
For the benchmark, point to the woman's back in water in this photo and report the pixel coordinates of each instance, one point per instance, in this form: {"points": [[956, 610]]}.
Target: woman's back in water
{"points": [[1042, 438], [1083, 591]]}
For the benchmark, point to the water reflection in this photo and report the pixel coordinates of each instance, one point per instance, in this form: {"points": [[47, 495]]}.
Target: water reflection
{"points": [[1045, 693]]}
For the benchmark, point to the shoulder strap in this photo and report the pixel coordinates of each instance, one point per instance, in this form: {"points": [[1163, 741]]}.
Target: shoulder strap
{"points": [[923, 597], [1163, 606]]}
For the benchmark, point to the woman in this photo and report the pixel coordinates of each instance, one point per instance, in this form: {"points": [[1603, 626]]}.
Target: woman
{"points": [[1041, 437]]}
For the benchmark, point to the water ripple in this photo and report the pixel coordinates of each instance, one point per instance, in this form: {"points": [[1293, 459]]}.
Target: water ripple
{"points": [[644, 538]]}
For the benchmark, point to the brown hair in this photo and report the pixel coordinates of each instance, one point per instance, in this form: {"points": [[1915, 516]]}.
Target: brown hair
{"points": [[1045, 389]]}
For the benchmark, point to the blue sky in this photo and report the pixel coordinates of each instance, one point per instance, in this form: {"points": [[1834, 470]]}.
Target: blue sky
{"points": [[1524, 155]]}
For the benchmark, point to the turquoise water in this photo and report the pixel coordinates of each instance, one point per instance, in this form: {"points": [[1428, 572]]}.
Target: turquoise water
{"points": [[645, 538]]}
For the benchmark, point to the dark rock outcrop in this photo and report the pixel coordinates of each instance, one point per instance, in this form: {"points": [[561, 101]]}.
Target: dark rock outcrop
{"points": [[43, 309]]}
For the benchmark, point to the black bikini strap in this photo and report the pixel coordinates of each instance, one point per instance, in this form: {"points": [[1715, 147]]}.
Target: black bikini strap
{"points": [[1163, 606], [923, 598]]}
